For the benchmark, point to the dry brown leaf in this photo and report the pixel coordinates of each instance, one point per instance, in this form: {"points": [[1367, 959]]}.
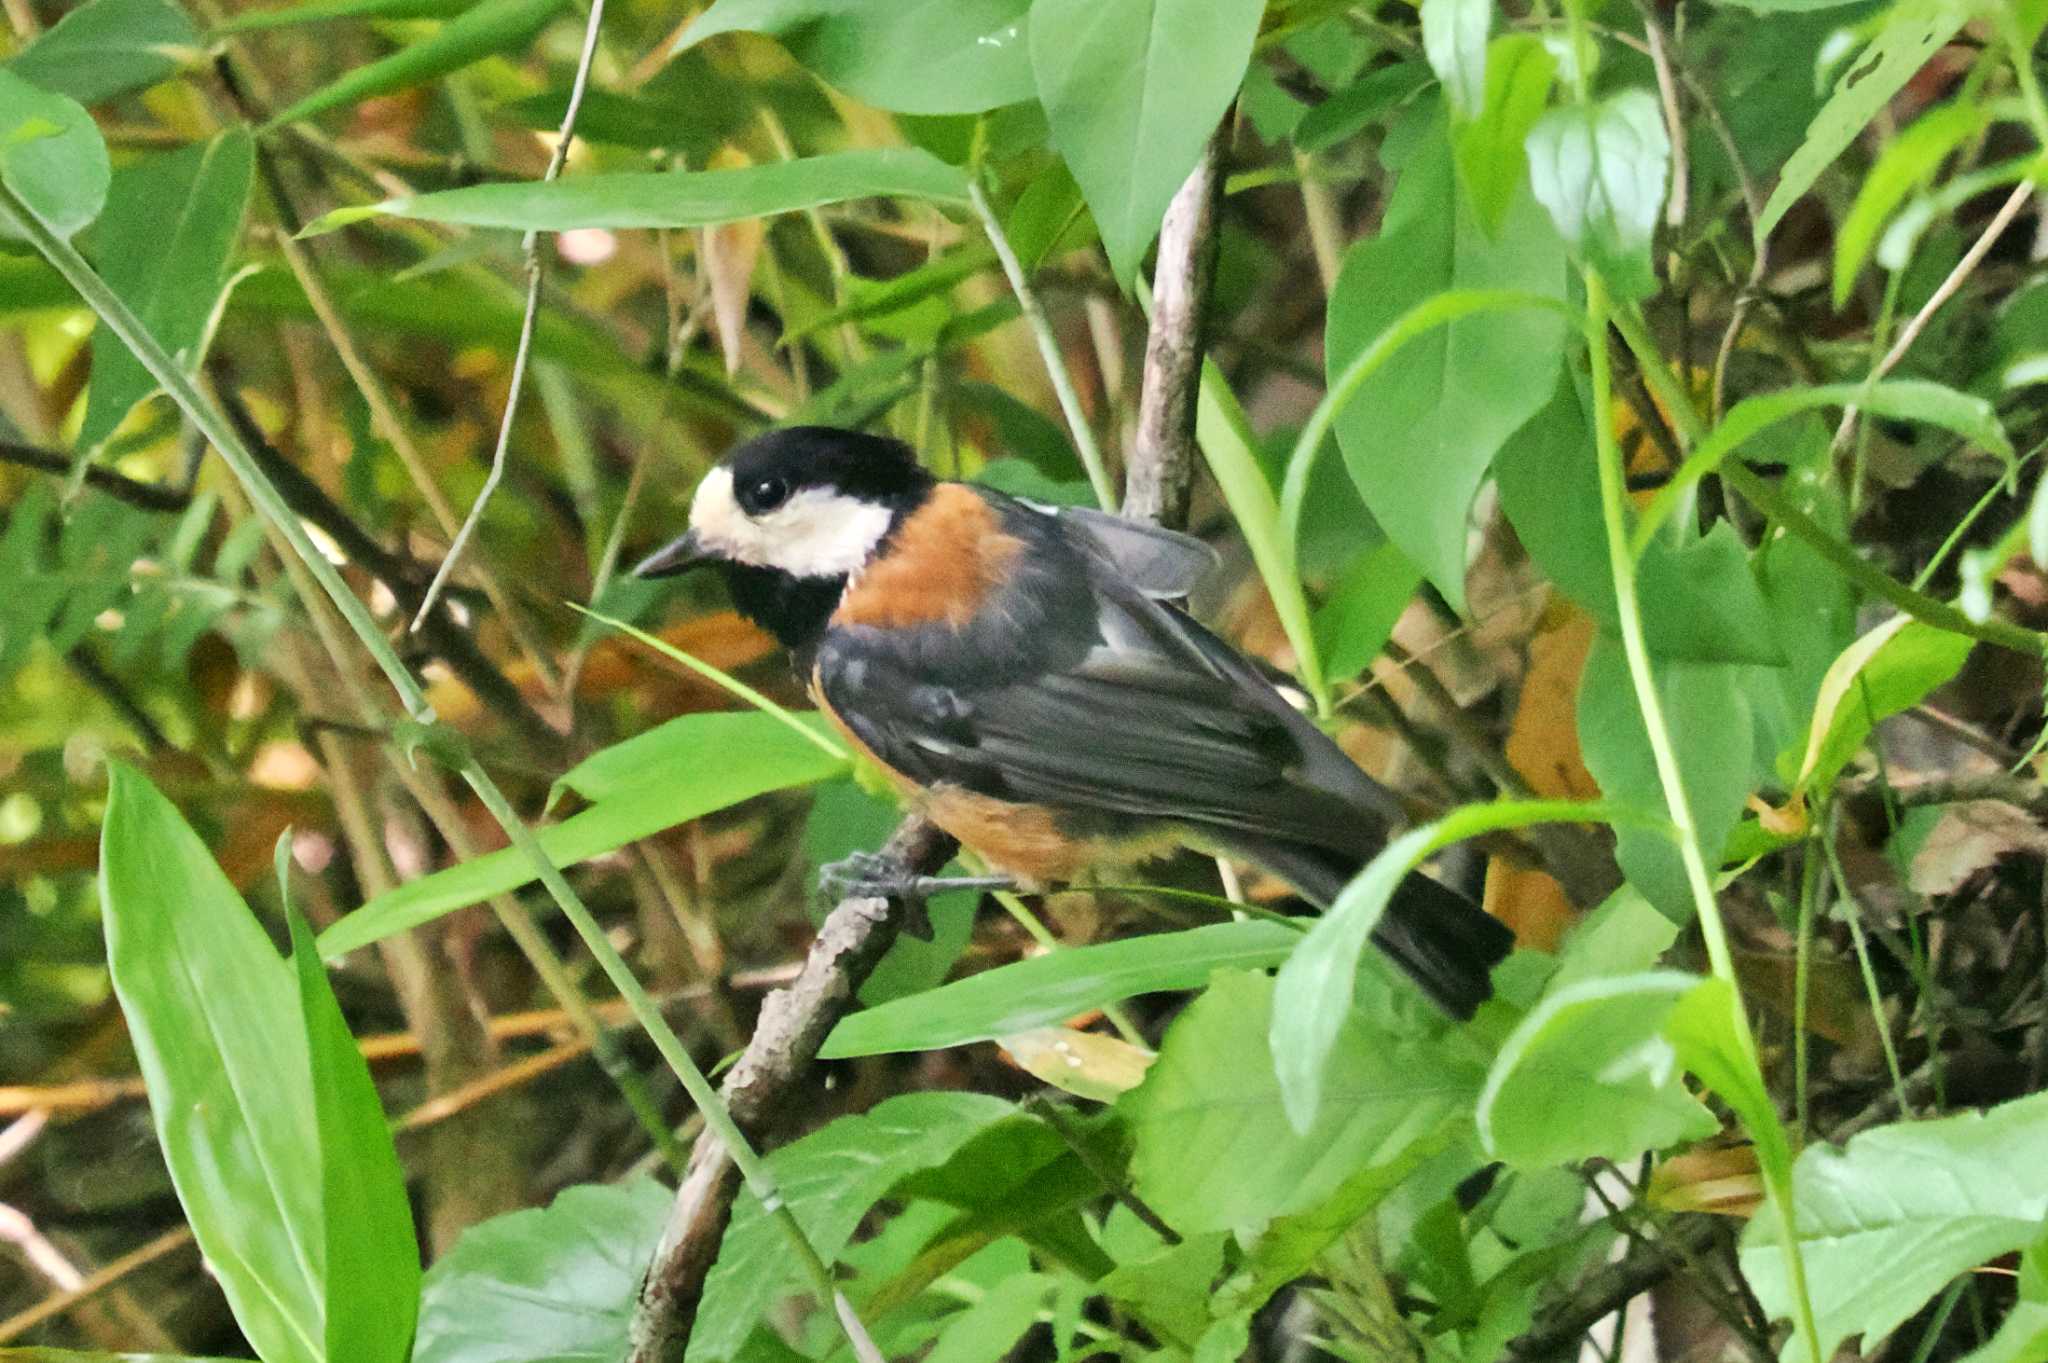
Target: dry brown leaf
{"points": [[1969, 837], [729, 252]]}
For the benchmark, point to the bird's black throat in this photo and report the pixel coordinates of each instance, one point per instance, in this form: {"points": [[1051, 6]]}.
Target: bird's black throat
{"points": [[793, 609]]}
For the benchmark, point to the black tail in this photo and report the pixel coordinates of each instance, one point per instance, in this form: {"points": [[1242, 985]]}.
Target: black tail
{"points": [[1443, 941]]}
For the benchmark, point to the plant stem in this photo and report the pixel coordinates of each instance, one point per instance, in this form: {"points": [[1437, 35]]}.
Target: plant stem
{"points": [[116, 316], [1614, 515], [1048, 348]]}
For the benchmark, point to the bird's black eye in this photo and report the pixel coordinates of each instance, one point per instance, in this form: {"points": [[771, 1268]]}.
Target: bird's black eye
{"points": [[765, 493]]}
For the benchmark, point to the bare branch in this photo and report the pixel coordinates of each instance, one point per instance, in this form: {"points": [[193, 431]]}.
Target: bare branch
{"points": [[1162, 463]]}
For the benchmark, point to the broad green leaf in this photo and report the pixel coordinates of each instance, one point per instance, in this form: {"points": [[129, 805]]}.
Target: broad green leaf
{"points": [[1357, 106], [2022, 1336], [1492, 156], [324, 11], [1601, 1041], [1903, 399], [910, 56], [1890, 668], [34, 1354], [1708, 710], [1170, 1285], [163, 245], [1601, 169], [1624, 935], [372, 1254], [1913, 31], [1421, 431], [683, 749], [1213, 1148], [1042, 990], [1703, 1029], [554, 1283], [109, 47], [1887, 1220], [485, 29], [691, 770], [1359, 610], [52, 157], [1318, 982], [989, 1328], [1454, 41], [1132, 90], [683, 198], [1902, 167], [218, 1033], [1785, 6], [830, 1180], [1708, 605]]}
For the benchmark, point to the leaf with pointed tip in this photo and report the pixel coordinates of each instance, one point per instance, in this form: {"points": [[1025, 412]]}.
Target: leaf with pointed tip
{"points": [[1132, 90], [163, 245], [678, 198], [1601, 169], [109, 47]]}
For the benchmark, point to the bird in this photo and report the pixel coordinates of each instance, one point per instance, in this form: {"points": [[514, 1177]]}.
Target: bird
{"points": [[1028, 680]]}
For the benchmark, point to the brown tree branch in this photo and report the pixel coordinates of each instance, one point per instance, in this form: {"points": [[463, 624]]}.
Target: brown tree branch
{"points": [[1161, 469], [757, 1092]]}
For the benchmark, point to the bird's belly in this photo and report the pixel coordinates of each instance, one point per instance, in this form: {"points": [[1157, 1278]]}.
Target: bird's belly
{"points": [[1034, 843]]}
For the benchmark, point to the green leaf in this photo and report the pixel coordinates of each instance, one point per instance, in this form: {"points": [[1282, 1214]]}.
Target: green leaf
{"points": [[1913, 31], [1600, 1040], [910, 56], [1358, 614], [1319, 980], [989, 1328], [1213, 1148], [1454, 41], [1708, 710], [52, 157], [1709, 607], [324, 11], [1493, 160], [681, 771], [830, 1180], [1890, 668], [1786, 6], [1902, 399], [684, 198], [1887, 1220], [372, 1255], [40, 1355], [1601, 170], [488, 28], [1902, 167], [1357, 106], [1422, 429], [558, 1283], [1047, 989], [1132, 90], [163, 244], [221, 1042], [109, 47]]}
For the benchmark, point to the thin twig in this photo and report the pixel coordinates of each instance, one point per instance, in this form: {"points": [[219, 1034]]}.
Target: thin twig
{"points": [[2010, 209], [1048, 348], [96, 1282], [148, 496], [536, 271]]}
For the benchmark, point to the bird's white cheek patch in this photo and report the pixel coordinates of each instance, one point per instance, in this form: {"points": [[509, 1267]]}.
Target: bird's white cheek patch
{"points": [[816, 533]]}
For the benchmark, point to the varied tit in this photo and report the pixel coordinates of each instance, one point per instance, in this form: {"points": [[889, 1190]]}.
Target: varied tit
{"points": [[1022, 674]]}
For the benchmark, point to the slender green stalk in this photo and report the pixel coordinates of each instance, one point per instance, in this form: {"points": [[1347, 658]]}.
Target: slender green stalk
{"points": [[1854, 915], [1048, 348], [1802, 969], [1614, 515], [200, 410]]}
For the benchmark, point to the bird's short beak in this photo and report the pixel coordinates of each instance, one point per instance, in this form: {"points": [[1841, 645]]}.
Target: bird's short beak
{"points": [[679, 556]]}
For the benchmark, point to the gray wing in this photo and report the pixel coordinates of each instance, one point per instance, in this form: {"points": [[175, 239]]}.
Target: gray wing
{"points": [[1158, 563], [1085, 693]]}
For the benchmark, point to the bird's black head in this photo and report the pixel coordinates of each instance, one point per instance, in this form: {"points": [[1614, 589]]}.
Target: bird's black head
{"points": [[790, 515]]}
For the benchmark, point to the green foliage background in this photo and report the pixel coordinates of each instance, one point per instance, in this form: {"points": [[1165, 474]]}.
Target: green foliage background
{"points": [[1620, 418]]}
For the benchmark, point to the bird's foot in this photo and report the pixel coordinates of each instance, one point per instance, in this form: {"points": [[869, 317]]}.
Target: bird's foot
{"points": [[872, 875]]}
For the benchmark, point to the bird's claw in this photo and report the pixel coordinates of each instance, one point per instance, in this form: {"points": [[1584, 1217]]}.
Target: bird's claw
{"points": [[872, 875]]}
